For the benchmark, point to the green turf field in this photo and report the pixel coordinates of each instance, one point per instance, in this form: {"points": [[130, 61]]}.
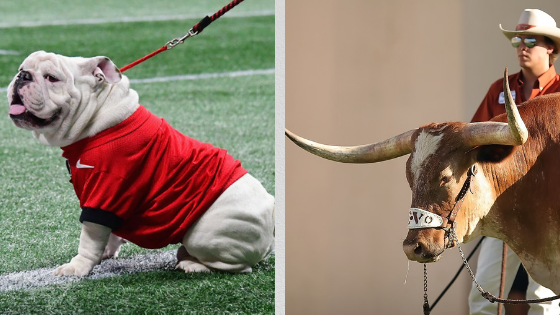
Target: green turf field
{"points": [[39, 212]]}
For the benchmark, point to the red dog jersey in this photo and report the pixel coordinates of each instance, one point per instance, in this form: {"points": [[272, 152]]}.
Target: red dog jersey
{"points": [[146, 181]]}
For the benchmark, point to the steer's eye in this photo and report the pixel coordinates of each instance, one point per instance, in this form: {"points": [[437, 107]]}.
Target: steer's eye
{"points": [[444, 180], [51, 78]]}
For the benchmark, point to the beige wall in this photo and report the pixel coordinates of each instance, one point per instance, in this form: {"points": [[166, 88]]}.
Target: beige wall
{"points": [[359, 72]]}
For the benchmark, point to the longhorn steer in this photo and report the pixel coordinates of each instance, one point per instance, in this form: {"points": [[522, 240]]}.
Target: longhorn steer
{"points": [[516, 192]]}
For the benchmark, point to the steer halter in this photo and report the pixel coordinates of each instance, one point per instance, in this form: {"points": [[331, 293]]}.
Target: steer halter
{"points": [[422, 219]]}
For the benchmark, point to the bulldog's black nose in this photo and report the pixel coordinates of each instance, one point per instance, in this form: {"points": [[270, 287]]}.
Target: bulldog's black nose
{"points": [[25, 76]]}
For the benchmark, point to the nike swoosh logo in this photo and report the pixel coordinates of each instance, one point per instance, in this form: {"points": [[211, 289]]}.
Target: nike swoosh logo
{"points": [[80, 165]]}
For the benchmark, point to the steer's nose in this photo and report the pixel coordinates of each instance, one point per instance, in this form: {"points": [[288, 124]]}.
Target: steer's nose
{"points": [[414, 250], [417, 249]]}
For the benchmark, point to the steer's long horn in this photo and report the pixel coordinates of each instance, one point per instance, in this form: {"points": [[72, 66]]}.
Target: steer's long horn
{"points": [[513, 132], [369, 153]]}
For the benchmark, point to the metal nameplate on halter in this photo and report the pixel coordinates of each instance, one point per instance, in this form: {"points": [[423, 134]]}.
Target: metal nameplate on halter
{"points": [[421, 219]]}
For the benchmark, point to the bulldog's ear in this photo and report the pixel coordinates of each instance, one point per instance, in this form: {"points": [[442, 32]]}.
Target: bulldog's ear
{"points": [[105, 70]]}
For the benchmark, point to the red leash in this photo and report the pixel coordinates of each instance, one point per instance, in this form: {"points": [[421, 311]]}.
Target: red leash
{"points": [[195, 30]]}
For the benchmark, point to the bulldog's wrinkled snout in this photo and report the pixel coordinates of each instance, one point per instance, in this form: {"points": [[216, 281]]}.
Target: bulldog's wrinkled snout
{"points": [[27, 104], [25, 76]]}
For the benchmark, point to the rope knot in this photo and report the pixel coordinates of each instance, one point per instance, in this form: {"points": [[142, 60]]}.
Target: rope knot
{"points": [[487, 295]]}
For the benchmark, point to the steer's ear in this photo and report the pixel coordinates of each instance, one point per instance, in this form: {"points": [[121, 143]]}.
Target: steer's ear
{"points": [[493, 153]]}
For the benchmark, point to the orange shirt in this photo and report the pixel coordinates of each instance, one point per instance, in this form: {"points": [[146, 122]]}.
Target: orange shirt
{"points": [[493, 103]]}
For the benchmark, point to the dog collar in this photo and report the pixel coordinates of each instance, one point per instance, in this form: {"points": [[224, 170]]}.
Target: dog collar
{"points": [[421, 219]]}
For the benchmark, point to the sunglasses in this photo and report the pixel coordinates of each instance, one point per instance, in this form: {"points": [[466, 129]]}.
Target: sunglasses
{"points": [[529, 42]]}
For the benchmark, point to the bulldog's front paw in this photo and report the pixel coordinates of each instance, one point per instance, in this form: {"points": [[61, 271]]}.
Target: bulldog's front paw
{"points": [[79, 266], [113, 247]]}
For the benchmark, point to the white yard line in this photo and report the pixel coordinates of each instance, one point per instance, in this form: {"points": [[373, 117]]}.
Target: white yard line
{"points": [[108, 268], [204, 76], [193, 77], [9, 52], [133, 19]]}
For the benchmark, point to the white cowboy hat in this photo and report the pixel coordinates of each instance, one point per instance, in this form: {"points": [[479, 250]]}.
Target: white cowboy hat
{"points": [[535, 22]]}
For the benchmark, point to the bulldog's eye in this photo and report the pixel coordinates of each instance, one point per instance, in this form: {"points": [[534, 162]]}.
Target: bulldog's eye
{"points": [[50, 78]]}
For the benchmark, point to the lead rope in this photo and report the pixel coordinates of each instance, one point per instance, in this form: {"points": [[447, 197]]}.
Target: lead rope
{"points": [[195, 30], [502, 277], [456, 274]]}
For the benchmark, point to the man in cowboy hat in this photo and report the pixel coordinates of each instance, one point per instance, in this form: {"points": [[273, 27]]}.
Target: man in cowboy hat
{"points": [[536, 40]]}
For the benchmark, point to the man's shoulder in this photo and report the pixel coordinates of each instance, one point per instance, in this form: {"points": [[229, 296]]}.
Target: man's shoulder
{"points": [[497, 86], [512, 78], [556, 82]]}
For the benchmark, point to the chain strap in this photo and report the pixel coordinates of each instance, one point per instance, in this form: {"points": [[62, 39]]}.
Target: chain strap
{"points": [[426, 305], [487, 295], [471, 273], [452, 235]]}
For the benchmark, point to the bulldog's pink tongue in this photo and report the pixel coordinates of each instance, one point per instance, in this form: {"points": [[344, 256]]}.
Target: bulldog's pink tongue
{"points": [[17, 109]]}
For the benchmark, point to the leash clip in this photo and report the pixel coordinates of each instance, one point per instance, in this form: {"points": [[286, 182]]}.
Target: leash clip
{"points": [[179, 40]]}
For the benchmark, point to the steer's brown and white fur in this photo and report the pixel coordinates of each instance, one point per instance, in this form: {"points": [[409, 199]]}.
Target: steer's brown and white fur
{"points": [[515, 194]]}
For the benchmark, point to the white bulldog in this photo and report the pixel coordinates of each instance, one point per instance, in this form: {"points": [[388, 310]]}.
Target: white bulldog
{"points": [[135, 176]]}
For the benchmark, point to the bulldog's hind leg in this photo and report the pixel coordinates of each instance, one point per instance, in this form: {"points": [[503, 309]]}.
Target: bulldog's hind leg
{"points": [[235, 233], [188, 263]]}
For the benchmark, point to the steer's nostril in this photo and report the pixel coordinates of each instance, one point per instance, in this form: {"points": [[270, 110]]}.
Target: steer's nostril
{"points": [[418, 250]]}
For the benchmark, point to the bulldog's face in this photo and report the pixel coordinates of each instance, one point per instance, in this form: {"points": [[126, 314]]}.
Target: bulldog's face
{"points": [[29, 94], [55, 95]]}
